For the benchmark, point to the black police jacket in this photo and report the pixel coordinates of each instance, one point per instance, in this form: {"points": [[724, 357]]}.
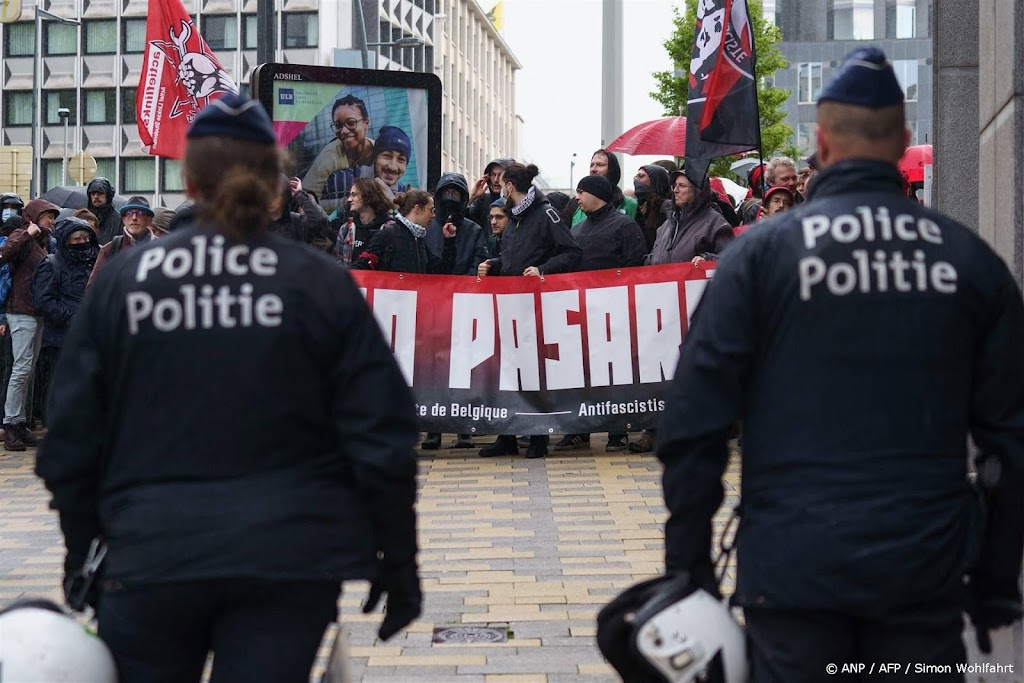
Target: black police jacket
{"points": [[860, 338], [230, 410]]}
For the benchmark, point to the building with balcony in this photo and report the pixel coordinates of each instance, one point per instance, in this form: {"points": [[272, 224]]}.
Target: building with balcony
{"points": [[817, 34], [93, 70]]}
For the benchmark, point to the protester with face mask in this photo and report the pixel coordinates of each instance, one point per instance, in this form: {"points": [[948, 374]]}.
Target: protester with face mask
{"points": [[12, 205], [651, 187], [58, 287]]}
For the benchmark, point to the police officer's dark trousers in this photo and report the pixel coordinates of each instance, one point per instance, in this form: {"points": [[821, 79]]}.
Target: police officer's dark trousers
{"points": [[258, 630], [803, 646]]}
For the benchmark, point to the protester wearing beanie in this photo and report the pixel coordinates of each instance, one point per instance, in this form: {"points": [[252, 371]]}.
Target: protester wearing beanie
{"points": [[609, 239]]}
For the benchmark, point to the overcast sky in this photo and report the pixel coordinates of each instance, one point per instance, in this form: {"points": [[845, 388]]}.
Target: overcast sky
{"points": [[558, 90]]}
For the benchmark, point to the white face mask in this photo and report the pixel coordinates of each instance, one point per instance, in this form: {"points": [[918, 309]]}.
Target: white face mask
{"points": [[7, 213]]}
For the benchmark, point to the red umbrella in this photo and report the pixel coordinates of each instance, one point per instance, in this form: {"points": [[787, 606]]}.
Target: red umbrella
{"points": [[662, 136], [914, 161]]}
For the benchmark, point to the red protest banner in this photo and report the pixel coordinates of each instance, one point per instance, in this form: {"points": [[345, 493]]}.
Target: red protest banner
{"points": [[582, 352], [180, 76]]}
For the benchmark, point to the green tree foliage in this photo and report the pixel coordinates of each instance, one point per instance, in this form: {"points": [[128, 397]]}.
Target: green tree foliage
{"points": [[776, 135]]}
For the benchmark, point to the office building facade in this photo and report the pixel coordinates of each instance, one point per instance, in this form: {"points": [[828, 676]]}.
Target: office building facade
{"points": [[93, 69], [817, 34]]}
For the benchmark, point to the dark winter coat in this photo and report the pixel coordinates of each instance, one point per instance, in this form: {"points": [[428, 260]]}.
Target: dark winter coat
{"points": [[59, 284], [310, 226], [609, 239], [107, 216], [24, 254], [297, 462], [115, 247], [857, 386], [394, 249], [470, 242], [537, 237]]}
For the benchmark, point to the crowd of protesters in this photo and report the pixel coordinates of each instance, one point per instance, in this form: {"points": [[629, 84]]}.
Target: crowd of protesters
{"points": [[500, 224]]}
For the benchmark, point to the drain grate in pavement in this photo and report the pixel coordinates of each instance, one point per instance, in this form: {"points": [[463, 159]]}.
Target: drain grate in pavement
{"points": [[470, 634]]}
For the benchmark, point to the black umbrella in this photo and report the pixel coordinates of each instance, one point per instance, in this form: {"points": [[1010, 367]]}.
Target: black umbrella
{"points": [[75, 197]]}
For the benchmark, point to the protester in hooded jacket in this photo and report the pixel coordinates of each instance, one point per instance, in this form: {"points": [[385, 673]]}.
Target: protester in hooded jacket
{"points": [[652, 190], [607, 238], [57, 290], [603, 162], [401, 247], [288, 465], [695, 231], [368, 210], [536, 243], [486, 190], [101, 202], [23, 251], [450, 203]]}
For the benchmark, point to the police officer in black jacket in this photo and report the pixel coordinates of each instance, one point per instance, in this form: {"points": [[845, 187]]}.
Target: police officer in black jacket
{"points": [[227, 417], [860, 338]]}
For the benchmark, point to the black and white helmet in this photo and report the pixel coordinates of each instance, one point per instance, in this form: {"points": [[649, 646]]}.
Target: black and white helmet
{"points": [[668, 631]]}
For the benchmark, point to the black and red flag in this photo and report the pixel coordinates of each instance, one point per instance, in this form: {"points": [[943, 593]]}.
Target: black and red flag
{"points": [[721, 116]]}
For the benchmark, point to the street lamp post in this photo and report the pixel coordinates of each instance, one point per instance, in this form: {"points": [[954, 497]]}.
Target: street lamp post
{"points": [[65, 116], [37, 92], [400, 43]]}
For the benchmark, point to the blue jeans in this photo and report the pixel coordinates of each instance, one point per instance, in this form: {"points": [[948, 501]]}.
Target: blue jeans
{"points": [[26, 336]]}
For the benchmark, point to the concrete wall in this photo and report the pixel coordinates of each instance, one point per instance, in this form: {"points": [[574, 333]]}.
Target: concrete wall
{"points": [[1001, 124], [955, 108]]}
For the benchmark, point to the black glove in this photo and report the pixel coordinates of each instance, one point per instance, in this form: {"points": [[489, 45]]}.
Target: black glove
{"points": [[405, 599], [81, 589], [990, 607]]}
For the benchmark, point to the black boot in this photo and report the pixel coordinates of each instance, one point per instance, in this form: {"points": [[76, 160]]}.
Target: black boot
{"points": [[27, 437], [504, 445], [538, 447], [432, 442]]}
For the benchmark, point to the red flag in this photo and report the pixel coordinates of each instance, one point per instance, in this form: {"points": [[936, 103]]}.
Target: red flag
{"points": [[180, 76]]}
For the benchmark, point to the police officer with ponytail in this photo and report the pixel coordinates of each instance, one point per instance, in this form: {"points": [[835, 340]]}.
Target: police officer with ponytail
{"points": [[861, 338], [227, 421]]}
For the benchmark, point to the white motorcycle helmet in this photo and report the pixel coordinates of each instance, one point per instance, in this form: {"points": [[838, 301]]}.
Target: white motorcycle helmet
{"points": [[666, 630], [41, 644]]}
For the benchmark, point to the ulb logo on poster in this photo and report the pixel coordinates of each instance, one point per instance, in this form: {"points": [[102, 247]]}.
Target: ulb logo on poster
{"points": [[286, 96]]}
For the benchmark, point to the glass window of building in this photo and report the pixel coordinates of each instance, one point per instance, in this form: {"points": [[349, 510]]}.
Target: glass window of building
{"points": [[100, 37], [106, 167], [134, 35], [808, 82], [900, 18], [20, 40], [301, 30], [54, 100], [53, 173], [906, 74], [170, 176], [128, 105], [100, 106], [851, 19], [249, 29], [806, 140], [138, 175], [18, 108], [221, 32], [60, 39]]}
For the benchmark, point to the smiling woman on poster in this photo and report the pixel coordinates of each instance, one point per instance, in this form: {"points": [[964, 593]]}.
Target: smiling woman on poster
{"points": [[346, 158]]}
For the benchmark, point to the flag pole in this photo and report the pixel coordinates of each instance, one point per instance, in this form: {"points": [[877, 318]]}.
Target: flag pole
{"points": [[757, 102]]}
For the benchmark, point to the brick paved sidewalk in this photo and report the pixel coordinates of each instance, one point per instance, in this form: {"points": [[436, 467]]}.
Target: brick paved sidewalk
{"points": [[534, 547]]}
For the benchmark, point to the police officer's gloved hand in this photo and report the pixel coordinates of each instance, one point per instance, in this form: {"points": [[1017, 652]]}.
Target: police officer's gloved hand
{"points": [[79, 592], [992, 605], [405, 599]]}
